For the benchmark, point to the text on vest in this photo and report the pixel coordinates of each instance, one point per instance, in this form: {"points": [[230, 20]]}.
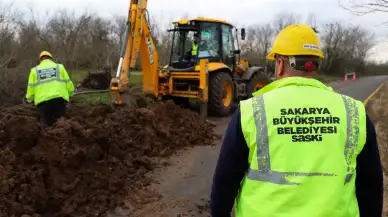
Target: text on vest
{"points": [[301, 119]]}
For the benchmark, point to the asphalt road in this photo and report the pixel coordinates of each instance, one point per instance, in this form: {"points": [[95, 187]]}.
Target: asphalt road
{"points": [[359, 89], [186, 184]]}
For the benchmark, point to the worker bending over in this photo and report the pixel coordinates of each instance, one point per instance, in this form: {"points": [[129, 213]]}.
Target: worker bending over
{"points": [[50, 88], [297, 148]]}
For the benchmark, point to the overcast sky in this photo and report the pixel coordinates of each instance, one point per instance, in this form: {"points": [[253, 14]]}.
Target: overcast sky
{"points": [[239, 12]]}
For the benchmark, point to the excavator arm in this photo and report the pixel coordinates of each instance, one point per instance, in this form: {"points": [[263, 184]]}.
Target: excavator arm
{"points": [[137, 40]]}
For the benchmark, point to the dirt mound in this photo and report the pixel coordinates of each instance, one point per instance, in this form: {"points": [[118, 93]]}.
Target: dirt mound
{"points": [[90, 163], [99, 80]]}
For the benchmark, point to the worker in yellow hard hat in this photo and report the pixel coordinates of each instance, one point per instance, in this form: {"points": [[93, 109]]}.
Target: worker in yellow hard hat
{"points": [[45, 55], [297, 148], [50, 88]]}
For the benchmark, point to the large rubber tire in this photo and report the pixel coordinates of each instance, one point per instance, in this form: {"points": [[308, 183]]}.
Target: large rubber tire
{"points": [[220, 91], [256, 82]]}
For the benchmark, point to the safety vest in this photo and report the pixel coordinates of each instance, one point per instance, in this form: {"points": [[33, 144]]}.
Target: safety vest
{"points": [[303, 141], [194, 49], [47, 81]]}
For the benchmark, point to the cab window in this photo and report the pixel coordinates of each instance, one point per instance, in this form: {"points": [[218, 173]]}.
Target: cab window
{"points": [[209, 42], [227, 43]]}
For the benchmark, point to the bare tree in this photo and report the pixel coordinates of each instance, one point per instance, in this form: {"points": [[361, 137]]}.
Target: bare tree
{"points": [[265, 36], [90, 42], [284, 19], [7, 34], [345, 47], [363, 8], [259, 40], [311, 20]]}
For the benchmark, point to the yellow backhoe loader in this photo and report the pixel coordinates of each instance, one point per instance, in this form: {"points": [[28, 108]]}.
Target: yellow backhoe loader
{"points": [[214, 74]]}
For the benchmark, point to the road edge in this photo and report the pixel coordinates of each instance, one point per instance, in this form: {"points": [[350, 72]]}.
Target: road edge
{"points": [[374, 92]]}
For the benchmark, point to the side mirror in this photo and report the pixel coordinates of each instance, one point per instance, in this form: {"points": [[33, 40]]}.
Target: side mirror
{"points": [[242, 33], [237, 51]]}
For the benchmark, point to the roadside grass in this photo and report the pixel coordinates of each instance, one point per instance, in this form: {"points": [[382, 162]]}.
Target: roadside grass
{"points": [[327, 78], [92, 99], [135, 79], [78, 76], [97, 98], [378, 111]]}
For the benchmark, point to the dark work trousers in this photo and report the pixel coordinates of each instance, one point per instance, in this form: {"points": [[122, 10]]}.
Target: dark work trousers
{"points": [[51, 110]]}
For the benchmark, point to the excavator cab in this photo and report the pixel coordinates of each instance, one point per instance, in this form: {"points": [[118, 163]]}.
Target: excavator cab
{"points": [[215, 73], [215, 43], [184, 52]]}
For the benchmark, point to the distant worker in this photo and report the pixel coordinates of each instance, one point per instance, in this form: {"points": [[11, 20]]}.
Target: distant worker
{"points": [[194, 47], [297, 148], [50, 88]]}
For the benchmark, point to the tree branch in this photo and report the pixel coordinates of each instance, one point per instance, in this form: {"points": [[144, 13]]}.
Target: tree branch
{"points": [[361, 9]]}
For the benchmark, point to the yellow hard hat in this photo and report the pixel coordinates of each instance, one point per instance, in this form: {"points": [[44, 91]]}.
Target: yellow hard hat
{"points": [[297, 39], [45, 53]]}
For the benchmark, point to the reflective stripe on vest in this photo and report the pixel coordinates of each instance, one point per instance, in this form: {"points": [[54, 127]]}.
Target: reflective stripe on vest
{"points": [[266, 174], [57, 77], [194, 49], [303, 141]]}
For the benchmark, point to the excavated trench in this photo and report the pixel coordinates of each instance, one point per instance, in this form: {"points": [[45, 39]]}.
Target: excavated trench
{"points": [[91, 162]]}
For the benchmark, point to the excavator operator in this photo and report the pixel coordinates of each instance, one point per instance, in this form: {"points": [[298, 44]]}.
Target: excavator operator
{"points": [[298, 148], [192, 53]]}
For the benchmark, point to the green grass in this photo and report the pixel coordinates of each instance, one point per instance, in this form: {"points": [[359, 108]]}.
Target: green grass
{"points": [[96, 98], [92, 99], [135, 78], [78, 76], [326, 78]]}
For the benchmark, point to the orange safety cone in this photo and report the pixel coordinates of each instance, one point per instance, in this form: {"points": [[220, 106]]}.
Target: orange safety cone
{"points": [[354, 76]]}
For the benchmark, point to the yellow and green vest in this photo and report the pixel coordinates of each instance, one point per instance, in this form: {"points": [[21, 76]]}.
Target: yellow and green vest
{"points": [[303, 141], [194, 49], [47, 81]]}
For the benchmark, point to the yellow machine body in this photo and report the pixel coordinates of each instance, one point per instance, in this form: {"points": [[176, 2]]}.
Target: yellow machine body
{"points": [[216, 76]]}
